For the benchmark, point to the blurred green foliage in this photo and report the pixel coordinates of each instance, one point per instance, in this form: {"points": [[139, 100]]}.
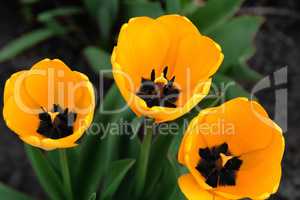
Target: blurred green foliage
{"points": [[121, 167]]}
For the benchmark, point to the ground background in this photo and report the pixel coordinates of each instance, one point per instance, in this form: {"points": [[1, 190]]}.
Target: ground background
{"points": [[278, 45]]}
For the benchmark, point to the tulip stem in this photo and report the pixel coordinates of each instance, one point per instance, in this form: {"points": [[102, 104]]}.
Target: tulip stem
{"points": [[142, 165], [66, 173]]}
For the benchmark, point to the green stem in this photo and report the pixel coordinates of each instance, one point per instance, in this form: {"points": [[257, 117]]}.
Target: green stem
{"points": [[66, 173], [144, 156]]}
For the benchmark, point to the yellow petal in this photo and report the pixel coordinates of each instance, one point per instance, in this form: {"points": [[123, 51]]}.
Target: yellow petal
{"points": [[50, 144], [178, 27], [142, 46], [50, 82], [84, 95], [238, 122], [181, 152], [193, 191], [15, 86], [22, 122], [10, 85], [198, 58]]}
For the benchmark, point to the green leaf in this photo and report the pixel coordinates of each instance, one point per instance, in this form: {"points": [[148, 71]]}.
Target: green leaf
{"points": [[244, 73], [131, 143], [11, 194], [235, 38], [107, 16], [49, 15], [99, 60], [93, 196], [143, 160], [49, 18], [118, 170], [188, 8], [105, 12], [72, 155], [173, 6], [95, 154], [214, 13], [25, 42], [167, 183], [136, 124], [135, 9], [53, 157], [91, 6], [49, 180], [229, 87], [159, 150]]}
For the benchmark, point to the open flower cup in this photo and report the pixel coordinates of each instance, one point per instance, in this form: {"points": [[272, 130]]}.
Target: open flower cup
{"points": [[49, 106], [163, 66], [240, 159]]}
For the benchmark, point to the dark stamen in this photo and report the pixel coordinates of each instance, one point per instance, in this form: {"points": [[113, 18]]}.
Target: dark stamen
{"points": [[43, 109], [158, 94], [223, 148], [212, 179], [152, 75], [172, 79], [57, 108], [210, 166], [165, 71], [61, 126]]}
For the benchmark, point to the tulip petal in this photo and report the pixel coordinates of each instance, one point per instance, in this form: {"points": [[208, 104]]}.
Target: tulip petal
{"points": [[198, 58], [51, 82], [192, 191], [10, 85], [21, 121], [176, 34], [85, 96], [142, 46], [15, 86], [182, 148], [238, 122]]}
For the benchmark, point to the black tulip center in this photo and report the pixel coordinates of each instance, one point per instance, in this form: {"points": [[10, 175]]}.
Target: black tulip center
{"points": [[158, 93], [59, 127], [211, 168]]}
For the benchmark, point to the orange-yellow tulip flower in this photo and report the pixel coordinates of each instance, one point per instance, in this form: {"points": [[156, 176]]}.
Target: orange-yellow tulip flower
{"points": [[233, 151], [49, 106], [163, 66]]}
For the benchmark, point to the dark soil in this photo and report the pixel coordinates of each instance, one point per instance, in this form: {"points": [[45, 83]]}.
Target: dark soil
{"points": [[277, 46], [277, 43]]}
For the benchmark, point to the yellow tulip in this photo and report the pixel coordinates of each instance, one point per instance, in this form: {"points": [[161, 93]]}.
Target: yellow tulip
{"points": [[241, 158], [49, 106], [163, 66]]}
